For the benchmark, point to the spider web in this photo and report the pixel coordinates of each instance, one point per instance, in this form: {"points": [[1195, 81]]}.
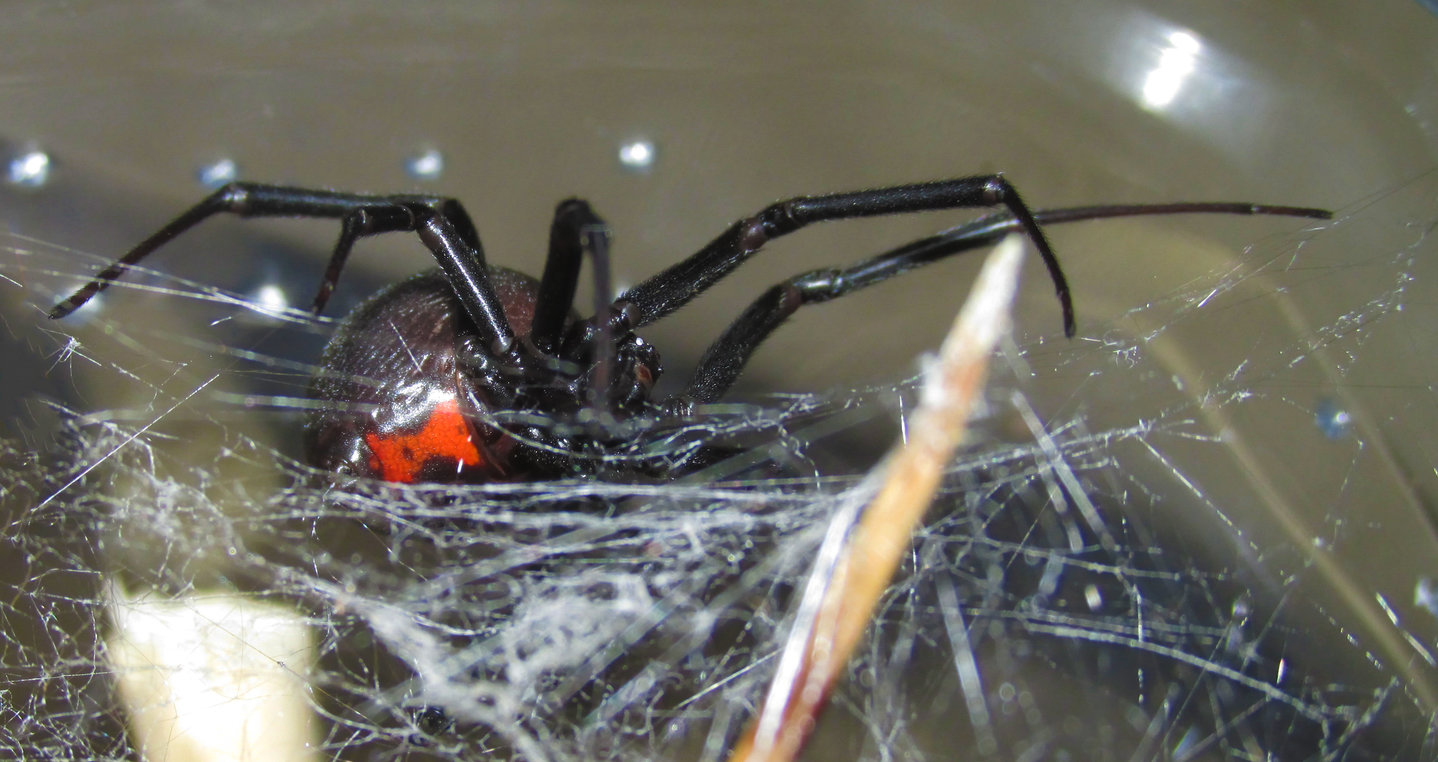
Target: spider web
{"points": [[1141, 557]]}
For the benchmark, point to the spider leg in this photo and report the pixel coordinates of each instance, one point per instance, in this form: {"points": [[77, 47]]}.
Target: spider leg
{"points": [[355, 224], [390, 214], [594, 238], [725, 359], [675, 286], [256, 200], [442, 224], [576, 229], [464, 268]]}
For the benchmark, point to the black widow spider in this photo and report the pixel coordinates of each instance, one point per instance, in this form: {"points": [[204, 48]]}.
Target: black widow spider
{"points": [[412, 384]]}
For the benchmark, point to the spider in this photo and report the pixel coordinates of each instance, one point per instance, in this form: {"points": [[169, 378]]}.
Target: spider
{"points": [[413, 384]]}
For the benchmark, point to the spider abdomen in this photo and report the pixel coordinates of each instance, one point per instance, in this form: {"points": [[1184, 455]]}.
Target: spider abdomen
{"points": [[405, 385]]}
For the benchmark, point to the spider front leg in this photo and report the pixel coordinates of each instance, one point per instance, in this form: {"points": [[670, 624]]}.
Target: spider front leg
{"points": [[674, 287]]}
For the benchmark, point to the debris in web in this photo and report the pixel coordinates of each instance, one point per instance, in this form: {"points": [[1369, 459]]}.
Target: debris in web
{"points": [[861, 553]]}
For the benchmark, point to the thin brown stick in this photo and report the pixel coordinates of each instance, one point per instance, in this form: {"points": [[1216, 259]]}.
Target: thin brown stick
{"points": [[910, 477]]}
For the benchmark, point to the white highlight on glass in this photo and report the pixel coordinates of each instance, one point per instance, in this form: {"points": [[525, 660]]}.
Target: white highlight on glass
{"points": [[271, 299], [1176, 63], [218, 173], [30, 168], [637, 155], [427, 165], [1332, 419]]}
